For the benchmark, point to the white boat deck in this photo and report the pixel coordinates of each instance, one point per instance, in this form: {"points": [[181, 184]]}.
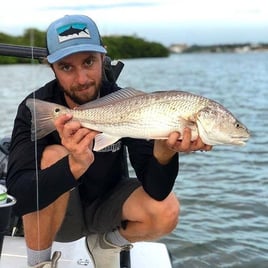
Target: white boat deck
{"points": [[74, 254]]}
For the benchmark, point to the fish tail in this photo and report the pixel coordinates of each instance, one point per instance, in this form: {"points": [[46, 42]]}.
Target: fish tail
{"points": [[42, 118], [84, 30]]}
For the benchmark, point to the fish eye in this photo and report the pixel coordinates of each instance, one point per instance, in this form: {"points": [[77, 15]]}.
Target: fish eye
{"points": [[237, 125]]}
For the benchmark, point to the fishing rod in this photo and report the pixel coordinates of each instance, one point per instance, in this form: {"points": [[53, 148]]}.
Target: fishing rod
{"points": [[112, 71], [23, 51]]}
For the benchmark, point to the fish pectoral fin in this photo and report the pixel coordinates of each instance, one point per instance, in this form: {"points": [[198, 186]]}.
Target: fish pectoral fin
{"points": [[189, 123], [103, 140], [193, 118], [186, 122]]}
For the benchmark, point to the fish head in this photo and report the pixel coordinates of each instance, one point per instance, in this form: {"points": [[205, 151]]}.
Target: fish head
{"points": [[216, 125]]}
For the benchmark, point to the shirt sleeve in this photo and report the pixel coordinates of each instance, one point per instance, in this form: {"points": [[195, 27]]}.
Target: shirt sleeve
{"points": [[34, 188], [157, 179]]}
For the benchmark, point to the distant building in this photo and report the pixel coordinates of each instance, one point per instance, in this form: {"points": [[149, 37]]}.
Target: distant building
{"points": [[218, 48], [177, 48]]}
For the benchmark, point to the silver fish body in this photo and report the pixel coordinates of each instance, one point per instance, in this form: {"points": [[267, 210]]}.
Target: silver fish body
{"points": [[136, 114]]}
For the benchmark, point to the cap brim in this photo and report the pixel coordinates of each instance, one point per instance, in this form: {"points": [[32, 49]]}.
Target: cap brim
{"points": [[58, 55]]}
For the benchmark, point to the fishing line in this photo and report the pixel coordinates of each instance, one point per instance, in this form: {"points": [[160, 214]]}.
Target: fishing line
{"points": [[36, 176], [35, 149]]}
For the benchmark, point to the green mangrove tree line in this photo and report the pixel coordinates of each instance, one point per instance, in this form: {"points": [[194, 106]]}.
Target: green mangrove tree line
{"points": [[118, 47]]}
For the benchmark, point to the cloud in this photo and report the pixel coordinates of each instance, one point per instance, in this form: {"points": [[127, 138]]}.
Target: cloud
{"points": [[153, 19], [99, 6]]}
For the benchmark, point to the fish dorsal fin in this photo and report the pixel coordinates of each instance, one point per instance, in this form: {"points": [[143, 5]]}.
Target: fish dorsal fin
{"points": [[112, 98]]}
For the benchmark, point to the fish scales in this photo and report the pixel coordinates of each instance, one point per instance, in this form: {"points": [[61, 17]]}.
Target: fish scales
{"points": [[147, 115], [136, 114], [134, 108]]}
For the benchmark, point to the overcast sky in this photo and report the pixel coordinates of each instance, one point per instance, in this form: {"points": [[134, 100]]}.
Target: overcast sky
{"points": [[165, 21]]}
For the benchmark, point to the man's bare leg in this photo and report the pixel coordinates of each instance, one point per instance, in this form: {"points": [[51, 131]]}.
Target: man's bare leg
{"points": [[149, 219], [41, 227]]}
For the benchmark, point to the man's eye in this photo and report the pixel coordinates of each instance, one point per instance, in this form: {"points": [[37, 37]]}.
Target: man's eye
{"points": [[89, 62], [66, 67]]}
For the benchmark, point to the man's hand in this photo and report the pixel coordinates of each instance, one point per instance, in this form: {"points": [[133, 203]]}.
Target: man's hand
{"points": [[78, 141], [165, 149]]}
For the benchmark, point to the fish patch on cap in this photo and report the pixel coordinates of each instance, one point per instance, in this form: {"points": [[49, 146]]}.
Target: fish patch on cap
{"points": [[73, 31]]}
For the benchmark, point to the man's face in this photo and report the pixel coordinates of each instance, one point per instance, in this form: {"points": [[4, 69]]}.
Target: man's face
{"points": [[80, 76]]}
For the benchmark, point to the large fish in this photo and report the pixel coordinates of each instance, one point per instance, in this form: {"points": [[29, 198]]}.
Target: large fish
{"points": [[133, 113]]}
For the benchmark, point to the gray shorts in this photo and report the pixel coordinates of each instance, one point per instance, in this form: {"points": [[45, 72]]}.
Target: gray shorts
{"points": [[104, 214]]}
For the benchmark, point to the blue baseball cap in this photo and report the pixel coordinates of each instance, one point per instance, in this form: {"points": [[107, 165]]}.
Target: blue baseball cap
{"points": [[71, 34]]}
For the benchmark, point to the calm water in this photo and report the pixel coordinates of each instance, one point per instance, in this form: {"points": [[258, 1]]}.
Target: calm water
{"points": [[223, 193]]}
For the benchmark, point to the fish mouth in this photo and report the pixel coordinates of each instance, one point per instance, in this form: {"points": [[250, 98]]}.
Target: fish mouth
{"points": [[240, 140], [242, 143]]}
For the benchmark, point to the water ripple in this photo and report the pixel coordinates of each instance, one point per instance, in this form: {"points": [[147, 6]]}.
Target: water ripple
{"points": [[223, 193]]}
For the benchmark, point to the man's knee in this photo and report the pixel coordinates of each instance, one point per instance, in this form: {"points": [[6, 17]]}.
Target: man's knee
{"points": [[52, 154], [166, 214]]}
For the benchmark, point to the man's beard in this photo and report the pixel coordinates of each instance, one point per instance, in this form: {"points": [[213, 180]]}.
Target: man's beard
{"points": [[82, 99]]}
